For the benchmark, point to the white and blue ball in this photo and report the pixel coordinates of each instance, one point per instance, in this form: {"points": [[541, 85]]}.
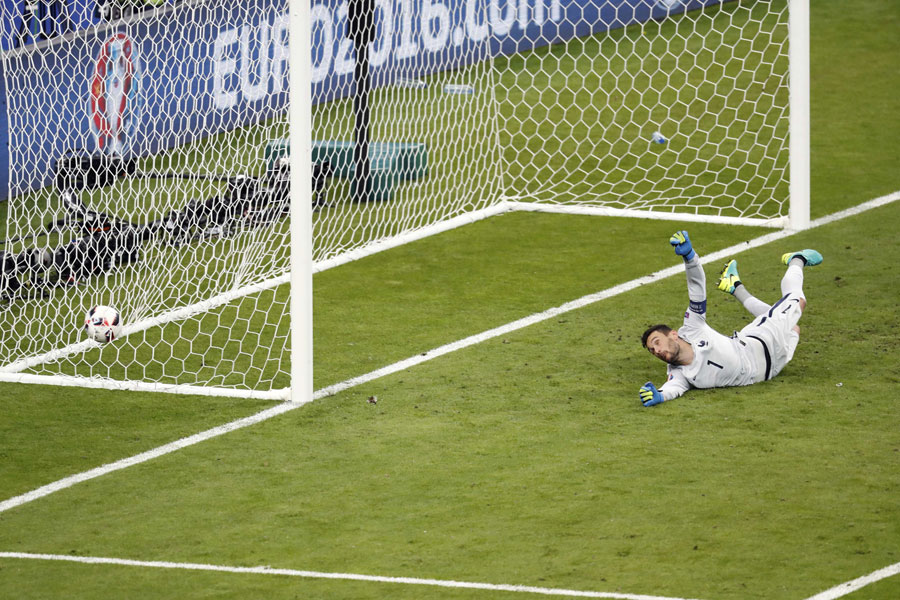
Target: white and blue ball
{"points": [[103, 324]]}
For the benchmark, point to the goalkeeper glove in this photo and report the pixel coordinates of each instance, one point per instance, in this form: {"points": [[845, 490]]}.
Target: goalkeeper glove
{"points": [[650, 396], [682, 244]]}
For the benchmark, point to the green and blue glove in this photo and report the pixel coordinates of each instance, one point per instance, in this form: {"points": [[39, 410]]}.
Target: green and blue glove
{"points": [[682, 244], [650, 396]]}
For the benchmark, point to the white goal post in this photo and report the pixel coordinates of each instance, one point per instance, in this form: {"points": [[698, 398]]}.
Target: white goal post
{"points": [[301, 304], [194, 163]]}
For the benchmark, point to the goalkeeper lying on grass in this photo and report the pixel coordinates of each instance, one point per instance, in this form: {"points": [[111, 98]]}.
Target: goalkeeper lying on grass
{"points": [[700, 357]]}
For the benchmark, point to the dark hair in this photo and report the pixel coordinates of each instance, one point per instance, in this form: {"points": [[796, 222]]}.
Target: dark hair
{"points": [[663, 329]]}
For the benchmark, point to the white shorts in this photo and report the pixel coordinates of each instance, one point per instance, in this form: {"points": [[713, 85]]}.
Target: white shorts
{"points": [[775, 330]]}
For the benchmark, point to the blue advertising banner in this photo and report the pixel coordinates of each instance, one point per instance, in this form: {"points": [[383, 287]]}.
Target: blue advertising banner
{"points": [[199, 68], [417, 37], [140, 86]]}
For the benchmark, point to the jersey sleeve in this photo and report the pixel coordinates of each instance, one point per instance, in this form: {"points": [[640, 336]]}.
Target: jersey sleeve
{"points": [[676, 385], [696, 285]]}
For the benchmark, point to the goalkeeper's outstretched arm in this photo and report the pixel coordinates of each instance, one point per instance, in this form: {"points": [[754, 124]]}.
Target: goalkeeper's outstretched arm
{"points": [[696, 278], [676, 385], [666, 343]]}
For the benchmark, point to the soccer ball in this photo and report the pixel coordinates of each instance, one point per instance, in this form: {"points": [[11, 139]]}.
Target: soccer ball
{"points": [[103, 324]]}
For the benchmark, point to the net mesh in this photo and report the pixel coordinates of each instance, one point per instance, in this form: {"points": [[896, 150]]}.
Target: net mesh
{"points": [[687, 113], [148, 156]]}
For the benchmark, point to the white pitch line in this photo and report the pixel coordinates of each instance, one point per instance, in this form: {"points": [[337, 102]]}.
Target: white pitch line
{"points": [[426, 356], [96, 560], [137, 459], [849, 587], [592, 298]]}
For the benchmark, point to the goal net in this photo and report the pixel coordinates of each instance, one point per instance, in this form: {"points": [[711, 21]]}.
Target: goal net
{"points": [[679, 113], [149, 160]]}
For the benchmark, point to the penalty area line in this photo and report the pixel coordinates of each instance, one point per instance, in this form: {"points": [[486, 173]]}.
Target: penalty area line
{"points": [[849, 587], [137, 459], [427, 356], [266, 570]]}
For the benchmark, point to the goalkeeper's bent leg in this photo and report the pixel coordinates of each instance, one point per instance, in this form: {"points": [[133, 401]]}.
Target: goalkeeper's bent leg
{"points": [[792, 282], [754, 305]]}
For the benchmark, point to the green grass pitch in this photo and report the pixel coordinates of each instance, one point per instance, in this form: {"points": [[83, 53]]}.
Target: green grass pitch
{"points": [[526, 459]]}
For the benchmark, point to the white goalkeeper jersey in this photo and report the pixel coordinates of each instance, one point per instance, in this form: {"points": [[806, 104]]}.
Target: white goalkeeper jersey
{"points": [[719, 360]]}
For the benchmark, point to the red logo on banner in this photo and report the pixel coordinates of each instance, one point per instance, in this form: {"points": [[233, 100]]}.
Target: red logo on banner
{"points": [[114, 94]]}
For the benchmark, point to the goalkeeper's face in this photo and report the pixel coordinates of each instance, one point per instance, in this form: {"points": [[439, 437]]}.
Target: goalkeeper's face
{"points": [[665, 346]]}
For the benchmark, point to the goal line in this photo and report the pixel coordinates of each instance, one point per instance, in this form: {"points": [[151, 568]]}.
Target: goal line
{"points": [[12, 372]]}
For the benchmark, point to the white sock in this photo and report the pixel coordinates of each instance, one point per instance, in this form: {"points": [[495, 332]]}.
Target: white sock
{"points": [[792, 282], [753, 304]]}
